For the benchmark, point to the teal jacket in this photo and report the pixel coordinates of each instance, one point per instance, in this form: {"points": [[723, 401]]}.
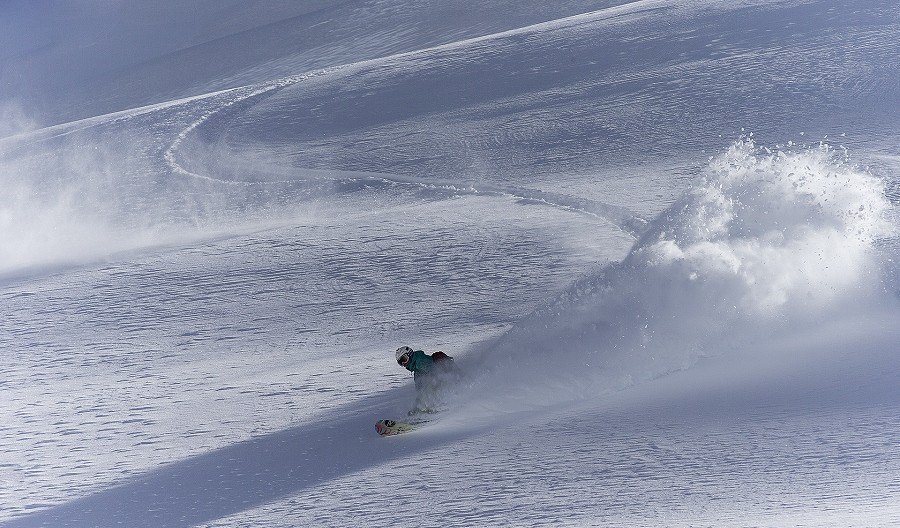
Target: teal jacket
{"points": [[419, 361], [421, 365], [429, 372]]}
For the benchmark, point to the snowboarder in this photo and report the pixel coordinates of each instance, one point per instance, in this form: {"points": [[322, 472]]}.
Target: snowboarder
{"points": [[430, 373]]}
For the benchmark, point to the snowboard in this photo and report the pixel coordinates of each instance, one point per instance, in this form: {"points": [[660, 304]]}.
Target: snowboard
{"points": [[393, 427]]}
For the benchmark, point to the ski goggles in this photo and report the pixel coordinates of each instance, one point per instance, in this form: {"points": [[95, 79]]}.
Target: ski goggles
{"points": [[404, 359]]}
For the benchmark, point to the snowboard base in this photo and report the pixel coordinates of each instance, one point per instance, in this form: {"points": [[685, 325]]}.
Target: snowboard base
{"points": [[393, 427]]}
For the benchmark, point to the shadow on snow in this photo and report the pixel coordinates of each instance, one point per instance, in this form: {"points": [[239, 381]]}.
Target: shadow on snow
{"points": [[239, 477]]}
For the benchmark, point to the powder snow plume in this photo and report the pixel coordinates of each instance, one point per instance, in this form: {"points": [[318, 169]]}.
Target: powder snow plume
{"points": [[764, 235], [764, 241]]}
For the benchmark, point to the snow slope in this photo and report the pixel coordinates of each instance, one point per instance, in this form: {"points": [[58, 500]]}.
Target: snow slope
{"points": [[658, 236]]}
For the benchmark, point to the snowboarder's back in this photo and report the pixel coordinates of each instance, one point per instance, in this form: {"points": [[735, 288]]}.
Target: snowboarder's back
{"points": [[430, 373]]}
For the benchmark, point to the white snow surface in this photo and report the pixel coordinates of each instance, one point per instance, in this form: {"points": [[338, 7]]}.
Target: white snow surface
{"points": [[659, 237]]}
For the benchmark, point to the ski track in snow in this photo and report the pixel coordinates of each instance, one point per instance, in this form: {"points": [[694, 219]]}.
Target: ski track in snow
{"points": [[616, 215], [200, 294]]}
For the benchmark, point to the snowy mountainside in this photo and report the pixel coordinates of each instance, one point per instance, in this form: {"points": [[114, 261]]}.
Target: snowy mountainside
{"points": [[154, 53], [658, 237]]}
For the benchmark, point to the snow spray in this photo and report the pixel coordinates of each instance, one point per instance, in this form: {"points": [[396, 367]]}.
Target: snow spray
{"points": [[763, 241]]}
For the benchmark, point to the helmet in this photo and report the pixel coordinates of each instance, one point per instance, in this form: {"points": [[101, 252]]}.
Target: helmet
{"points": [[403, 351]]}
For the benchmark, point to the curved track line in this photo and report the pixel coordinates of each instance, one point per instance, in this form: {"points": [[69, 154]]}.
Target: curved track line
{"points": [[618, 216], [170, 153]]}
